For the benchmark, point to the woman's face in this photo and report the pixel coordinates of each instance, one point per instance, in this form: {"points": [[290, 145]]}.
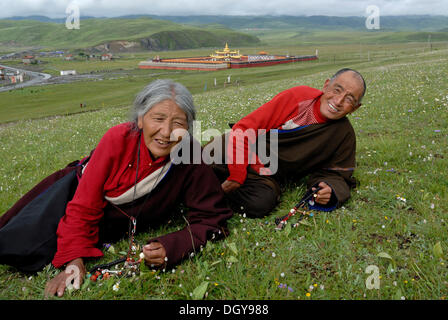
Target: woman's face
{"points": [[158, 124]]}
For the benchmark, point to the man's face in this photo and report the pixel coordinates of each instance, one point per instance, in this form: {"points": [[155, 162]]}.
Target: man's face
{"points": [[341, 96], [158, 124]]}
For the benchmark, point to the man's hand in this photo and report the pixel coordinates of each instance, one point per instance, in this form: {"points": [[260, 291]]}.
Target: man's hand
{"points": [[74, 272], [155, 254], [324, 194], [229, 186]]}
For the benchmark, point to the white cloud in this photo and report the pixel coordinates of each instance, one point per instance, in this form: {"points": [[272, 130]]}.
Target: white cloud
{"points": [[108, 8]]}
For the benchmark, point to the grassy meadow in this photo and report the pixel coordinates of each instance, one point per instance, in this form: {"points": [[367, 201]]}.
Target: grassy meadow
{"points": [[396, 219], [121, 79]]}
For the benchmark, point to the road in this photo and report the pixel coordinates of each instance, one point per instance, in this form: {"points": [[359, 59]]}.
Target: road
{"points": [[36, 78]]}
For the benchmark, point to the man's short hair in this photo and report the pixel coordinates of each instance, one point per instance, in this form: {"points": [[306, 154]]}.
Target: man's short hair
{"points": [[359, 75]]}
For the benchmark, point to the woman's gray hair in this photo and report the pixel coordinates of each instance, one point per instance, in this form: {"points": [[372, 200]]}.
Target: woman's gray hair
{"points": [[158, 91]]}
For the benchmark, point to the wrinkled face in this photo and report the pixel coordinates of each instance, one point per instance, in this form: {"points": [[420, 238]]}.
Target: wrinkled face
{"points": [[341, 96], [158, 124]]}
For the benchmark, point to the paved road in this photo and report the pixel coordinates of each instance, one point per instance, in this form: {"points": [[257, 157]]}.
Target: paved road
{"points": [[36, 78]]}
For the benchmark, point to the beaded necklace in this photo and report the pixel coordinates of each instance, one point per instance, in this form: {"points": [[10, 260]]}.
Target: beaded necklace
{"points": [[131, 260]]}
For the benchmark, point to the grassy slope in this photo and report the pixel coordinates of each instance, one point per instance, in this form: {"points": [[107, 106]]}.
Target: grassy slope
{"points": [[392, 23], [401, 152], [345, 36], [118, 89], [96, 31]]}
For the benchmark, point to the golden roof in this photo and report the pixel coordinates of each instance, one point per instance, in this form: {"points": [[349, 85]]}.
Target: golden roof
{"points": [[226, 53]]}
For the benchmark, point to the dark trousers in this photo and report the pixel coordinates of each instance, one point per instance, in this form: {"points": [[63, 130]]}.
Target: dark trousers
{"points": [[28, 238], [258, 195]]}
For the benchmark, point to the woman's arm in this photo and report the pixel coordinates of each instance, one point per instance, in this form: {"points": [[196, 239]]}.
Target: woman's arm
{"points": [[78, 230], [206, 218]]}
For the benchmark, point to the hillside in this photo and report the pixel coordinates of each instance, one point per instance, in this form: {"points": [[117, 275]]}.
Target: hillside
{"points": [[136, 34], [334, 37], [388, 23]]}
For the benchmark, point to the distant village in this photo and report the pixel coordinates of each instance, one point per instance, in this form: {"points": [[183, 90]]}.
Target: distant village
{"points": [[33, 58], [10, 76]]}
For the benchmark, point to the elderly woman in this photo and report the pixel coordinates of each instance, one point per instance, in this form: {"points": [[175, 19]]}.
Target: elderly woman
{"points": [[127, 182]]}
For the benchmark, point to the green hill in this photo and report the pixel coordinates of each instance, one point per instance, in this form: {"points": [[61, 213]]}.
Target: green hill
{"points": [[388, 23], [142, 33], [335, 37]]}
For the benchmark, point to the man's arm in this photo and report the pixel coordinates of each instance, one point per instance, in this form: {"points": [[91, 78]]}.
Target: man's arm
{"points": [[338, 174], [269, 116]]}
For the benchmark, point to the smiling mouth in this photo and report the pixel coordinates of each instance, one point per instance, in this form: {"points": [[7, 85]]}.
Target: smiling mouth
{"points": [[163, 143], [332, 108]]}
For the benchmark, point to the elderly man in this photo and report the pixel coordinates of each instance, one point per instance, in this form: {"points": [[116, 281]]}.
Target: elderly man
{"points": [[314, 138]]}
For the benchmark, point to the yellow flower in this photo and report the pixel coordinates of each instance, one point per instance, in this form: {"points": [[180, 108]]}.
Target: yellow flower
{"points": [[315, 285], [308, 294], [216, 284]]}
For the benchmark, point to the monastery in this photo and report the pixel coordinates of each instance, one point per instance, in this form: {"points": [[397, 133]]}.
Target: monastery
{"points": [[225, 59]]}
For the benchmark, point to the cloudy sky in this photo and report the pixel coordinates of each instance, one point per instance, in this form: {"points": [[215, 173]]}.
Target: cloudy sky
{"points": [[111, 8]]}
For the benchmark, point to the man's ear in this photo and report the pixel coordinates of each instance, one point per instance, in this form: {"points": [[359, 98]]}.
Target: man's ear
{"points": [[326, 83]]}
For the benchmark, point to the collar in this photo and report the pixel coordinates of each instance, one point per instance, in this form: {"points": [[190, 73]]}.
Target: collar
{"points": [[316, 110]]}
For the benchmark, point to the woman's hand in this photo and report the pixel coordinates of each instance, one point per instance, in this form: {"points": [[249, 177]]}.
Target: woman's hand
{"points": [[75, 272], [155, 254]]}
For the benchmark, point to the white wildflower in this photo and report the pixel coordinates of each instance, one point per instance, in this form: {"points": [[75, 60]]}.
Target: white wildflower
{"points": [[116, 286]]}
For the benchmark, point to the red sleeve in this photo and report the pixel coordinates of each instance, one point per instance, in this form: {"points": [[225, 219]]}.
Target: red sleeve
{"points": [[78, 230], [269, 116]]}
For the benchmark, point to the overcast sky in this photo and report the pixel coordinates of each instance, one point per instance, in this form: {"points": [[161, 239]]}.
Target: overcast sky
{"points": [[112, 8]]}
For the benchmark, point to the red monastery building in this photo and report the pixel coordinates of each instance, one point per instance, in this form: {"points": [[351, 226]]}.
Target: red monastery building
{"points": [[225, 59]]}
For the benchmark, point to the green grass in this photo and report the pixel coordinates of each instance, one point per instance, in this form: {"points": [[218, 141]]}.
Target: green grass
{"points": [[122, 80], [337, 36], [401, 154], [93, 32]]}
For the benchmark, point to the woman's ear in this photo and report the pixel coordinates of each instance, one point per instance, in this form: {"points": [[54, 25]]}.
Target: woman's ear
{"points": [[140, 122]]}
